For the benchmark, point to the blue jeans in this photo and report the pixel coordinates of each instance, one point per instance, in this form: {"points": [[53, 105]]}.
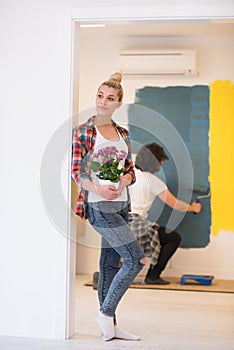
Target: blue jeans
{"points": [[110, 219]]}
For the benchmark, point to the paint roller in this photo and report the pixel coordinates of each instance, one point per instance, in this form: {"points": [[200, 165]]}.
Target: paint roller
{"points": [[203, 193], [201, 190]]}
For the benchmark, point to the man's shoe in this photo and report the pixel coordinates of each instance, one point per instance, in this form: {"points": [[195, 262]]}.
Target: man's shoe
{"points": [[95, 280], [158, 280]]}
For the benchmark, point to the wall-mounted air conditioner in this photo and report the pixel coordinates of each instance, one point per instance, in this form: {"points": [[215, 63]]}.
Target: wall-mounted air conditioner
{"points": [[158, 62]]}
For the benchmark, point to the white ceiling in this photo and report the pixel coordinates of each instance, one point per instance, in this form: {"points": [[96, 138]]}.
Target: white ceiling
{"points": [[217, 28]]}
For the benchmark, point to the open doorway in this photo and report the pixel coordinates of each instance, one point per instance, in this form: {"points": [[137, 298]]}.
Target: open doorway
{"points": [[96, 57]]}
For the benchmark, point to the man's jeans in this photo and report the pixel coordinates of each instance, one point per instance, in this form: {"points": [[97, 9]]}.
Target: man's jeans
{"points": [[109, 218]]}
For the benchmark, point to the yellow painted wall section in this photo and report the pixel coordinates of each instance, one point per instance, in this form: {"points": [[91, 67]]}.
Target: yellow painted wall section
{"points": [[222, 155]]}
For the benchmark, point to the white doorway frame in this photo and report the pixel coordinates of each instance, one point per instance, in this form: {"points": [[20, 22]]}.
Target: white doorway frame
{"points": [[196, 12]]}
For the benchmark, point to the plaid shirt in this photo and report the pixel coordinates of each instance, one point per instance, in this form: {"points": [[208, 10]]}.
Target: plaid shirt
{"points": [[84, 137], [146, 233]]}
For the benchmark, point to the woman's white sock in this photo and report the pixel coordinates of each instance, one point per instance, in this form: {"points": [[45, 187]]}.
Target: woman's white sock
{"points": [[106, 324], [121, 334]]}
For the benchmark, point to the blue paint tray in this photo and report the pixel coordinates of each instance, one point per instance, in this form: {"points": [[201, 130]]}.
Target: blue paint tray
{"points": [[205, 280]]}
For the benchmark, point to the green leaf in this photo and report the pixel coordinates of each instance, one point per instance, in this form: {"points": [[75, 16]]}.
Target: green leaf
{"points": [[94, 166]]}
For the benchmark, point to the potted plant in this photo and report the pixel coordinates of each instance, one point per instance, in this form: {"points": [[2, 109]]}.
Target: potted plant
{"points": [[106, 163]]}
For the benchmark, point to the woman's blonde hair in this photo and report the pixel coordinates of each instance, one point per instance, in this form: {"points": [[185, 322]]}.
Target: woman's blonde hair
{"points": [[114, 81]]}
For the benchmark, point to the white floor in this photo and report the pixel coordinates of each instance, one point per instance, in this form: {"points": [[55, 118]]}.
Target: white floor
{"points": [[165, 320]]}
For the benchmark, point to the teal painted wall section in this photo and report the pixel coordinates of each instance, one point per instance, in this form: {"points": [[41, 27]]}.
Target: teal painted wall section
{"points": [[187, 110]]}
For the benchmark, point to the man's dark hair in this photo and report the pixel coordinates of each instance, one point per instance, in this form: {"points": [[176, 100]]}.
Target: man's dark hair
{"points": [[149, 158]]}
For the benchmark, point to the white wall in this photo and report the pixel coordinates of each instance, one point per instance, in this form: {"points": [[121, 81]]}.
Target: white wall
{"points": [[215, 61], [35, 100]]}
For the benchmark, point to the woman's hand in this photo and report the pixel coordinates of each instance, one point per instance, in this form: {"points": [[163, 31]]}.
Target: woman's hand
{"points": [[107, 192], [125, 180]]}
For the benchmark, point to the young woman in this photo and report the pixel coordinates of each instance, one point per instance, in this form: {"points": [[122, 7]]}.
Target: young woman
{"points": [[155, 242], [105, 206]]}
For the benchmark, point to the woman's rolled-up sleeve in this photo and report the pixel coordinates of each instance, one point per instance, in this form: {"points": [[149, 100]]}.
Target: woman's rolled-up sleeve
{"points": [[79, 169], [129, 167]]}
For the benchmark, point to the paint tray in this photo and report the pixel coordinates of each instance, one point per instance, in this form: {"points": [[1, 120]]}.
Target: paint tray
{"points": [[205, 280]]}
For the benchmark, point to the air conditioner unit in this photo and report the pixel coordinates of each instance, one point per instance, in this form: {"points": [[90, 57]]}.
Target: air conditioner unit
{"points": [[158, 62]]}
